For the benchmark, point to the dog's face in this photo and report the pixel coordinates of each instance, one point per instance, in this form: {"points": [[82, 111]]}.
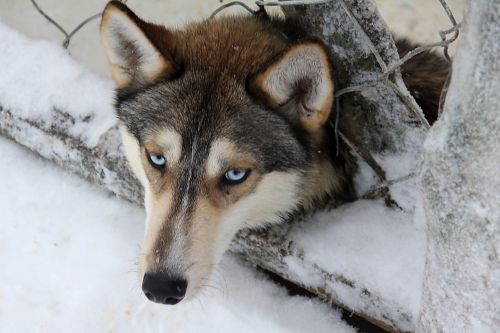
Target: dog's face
{"points": [[222, 122]]}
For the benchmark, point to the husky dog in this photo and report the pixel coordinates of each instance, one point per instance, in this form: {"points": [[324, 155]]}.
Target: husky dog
{"points": [[225, 124]]}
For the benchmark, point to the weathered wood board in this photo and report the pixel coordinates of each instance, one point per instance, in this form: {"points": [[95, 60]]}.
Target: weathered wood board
{"points": [[269, 249]]}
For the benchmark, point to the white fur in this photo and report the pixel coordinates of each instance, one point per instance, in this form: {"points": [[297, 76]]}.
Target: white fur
{"points": [[277, 192], [155, 212], [133, 154], [305, 61], [171, 142], [118, 26], [219, 150]]}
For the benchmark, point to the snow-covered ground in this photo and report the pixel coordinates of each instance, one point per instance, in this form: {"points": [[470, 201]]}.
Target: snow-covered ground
{"points": [[67, 251]]}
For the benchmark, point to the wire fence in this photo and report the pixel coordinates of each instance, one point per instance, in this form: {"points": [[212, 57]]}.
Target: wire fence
{"points": [[447, 37], [67, 35]]}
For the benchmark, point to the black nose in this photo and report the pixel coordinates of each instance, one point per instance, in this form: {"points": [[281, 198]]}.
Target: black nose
{"points": [[161, 288]]}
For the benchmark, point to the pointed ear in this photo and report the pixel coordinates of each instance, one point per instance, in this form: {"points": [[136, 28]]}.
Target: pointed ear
{"points": [[137, 51], [299, 82]]}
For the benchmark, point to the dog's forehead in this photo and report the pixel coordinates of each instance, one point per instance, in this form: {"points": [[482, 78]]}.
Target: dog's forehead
{"points": [[236, 46], [209, 101], [189, 112]]}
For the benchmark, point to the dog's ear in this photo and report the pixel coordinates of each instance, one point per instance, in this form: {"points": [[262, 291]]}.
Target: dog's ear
{"points": [[137, 51], [300, 83]]}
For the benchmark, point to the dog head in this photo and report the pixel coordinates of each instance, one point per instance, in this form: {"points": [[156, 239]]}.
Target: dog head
{"points": [[223, 122]]}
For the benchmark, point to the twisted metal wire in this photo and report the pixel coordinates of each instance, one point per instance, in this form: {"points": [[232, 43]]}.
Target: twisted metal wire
{"points": [[67, 35]]}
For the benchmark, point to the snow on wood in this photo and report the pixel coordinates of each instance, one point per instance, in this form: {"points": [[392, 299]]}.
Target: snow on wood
{"points": [[460, 183], [363, 256], [42, 78]]}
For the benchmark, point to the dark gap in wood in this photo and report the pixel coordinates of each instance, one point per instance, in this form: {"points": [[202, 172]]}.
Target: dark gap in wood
{"points": [[360, 324]]}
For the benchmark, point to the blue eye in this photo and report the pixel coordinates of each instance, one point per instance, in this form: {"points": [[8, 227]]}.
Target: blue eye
{"points": [[157, 161], [236, 176]]}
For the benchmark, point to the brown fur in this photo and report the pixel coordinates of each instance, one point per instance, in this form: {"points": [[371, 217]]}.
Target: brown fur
{"points": [[424, 76], [234, 93], [237, 49]]}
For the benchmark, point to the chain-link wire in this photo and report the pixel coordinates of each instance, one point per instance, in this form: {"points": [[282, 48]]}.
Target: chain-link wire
{"points": [[68, 35], [384, 78], [445, 42]]}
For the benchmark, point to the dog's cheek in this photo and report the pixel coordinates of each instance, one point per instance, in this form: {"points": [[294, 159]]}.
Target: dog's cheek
{"points": [[276, 194], [133, 154]]}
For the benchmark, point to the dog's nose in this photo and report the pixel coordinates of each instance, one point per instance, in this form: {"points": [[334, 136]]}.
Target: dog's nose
{"points": [[162, 289]]}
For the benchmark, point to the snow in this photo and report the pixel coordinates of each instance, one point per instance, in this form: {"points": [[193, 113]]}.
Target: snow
{"points": [[371, 244], [380, 250], [42, 76], [396, 166], [80, 243], [376, 248], [67, 251], [460, 187], [405, 193]]}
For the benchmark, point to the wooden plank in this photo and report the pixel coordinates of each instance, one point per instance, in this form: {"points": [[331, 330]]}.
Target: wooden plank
{"points": [[269, 249]]}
